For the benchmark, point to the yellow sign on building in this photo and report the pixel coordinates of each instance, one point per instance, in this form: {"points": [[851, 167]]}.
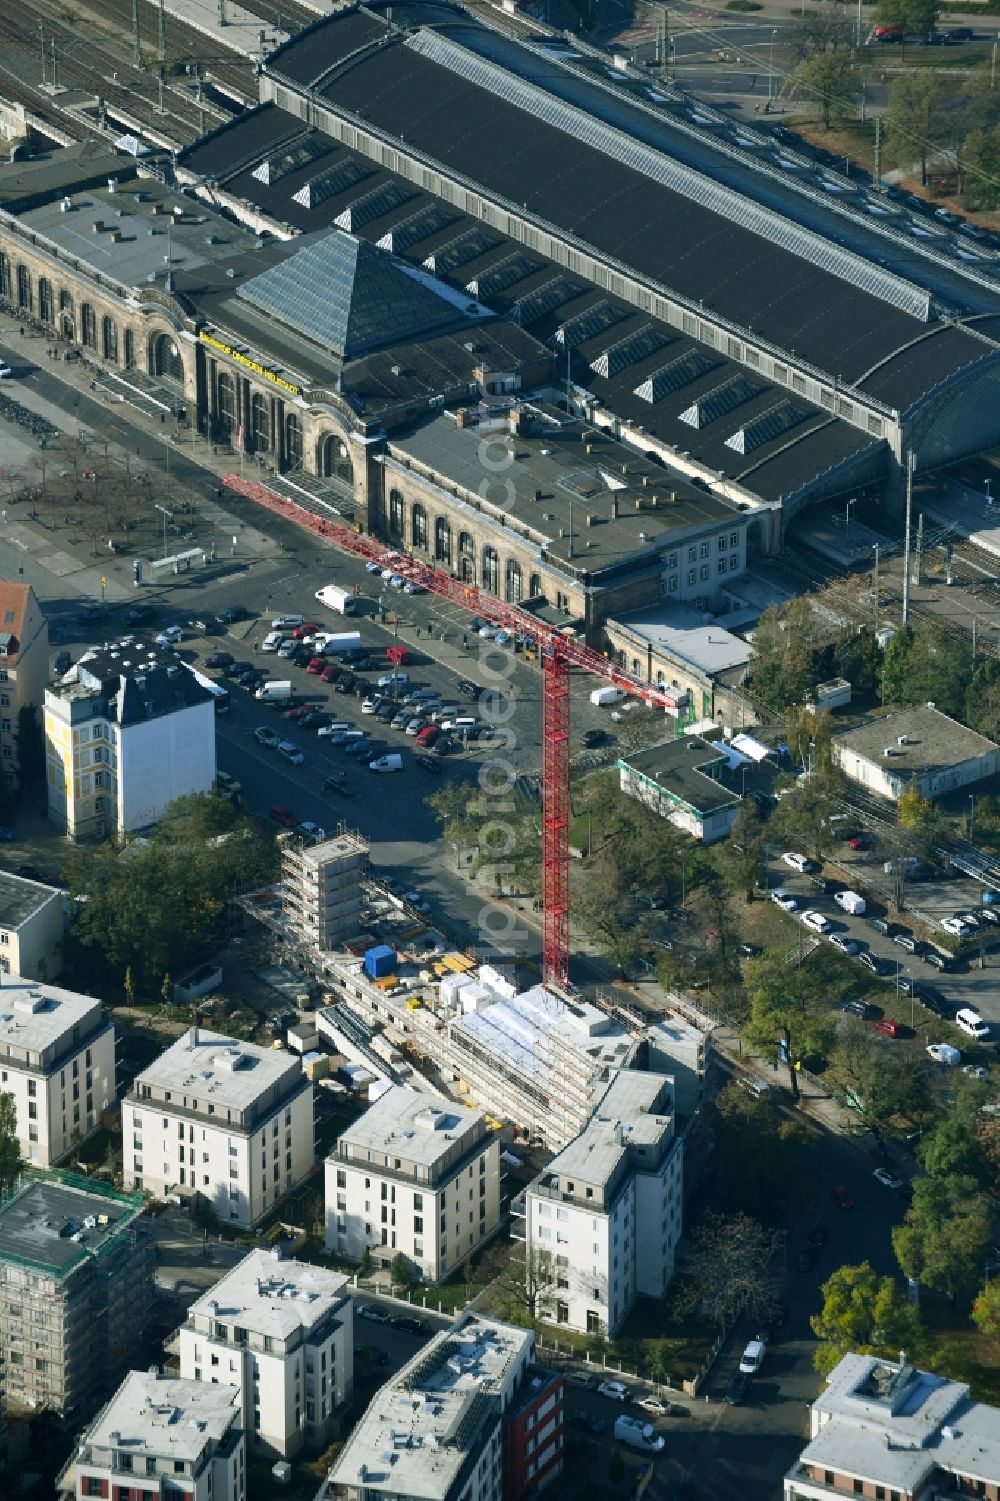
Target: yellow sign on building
{"points": [[249, 364]]}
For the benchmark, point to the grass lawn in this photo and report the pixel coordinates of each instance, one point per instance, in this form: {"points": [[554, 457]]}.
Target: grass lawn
{"points": [[960, 1351]]}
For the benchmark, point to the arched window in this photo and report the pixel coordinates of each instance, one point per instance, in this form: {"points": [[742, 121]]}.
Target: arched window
{"points": [[45, 299], [67, 320], [109, 339], [512, 582], [167, 362], [395, 513], [293, 441], [335, 459], [260, 423], [225, 403], [635, 667], [129, 349], [490, 570], [442, 540], [88, 323], [419, 520], [466, 546], [534, 586], [4, 274], [24, 298]]}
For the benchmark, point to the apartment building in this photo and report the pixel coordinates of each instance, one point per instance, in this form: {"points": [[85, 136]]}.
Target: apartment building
{"points": [[437, 1429], [887, 1431], [32, 925], [321, 889], [532, 1433], [608, 1207], [76, 1291], [415, 1176], [24, 667], [57, 1060], [160, 1436], [127, 732], [225, 1120], [281, 1332]]}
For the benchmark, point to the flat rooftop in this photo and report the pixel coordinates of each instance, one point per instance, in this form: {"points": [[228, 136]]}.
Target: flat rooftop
{"points": [[417, 1127], [676, 767], [271, 1296], [523, 1029], [21, 899], [688, 637], [933, 741], [40, 1219], [206, 1065], [635, 1110], [165, 1418], [422, 1426], [36, 1016]]}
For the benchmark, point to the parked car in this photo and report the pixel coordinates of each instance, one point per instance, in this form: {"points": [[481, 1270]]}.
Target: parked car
{"points": [[617, 1391], [584, 1379], [410, 1323], [905, 941], [287, 622], [590, 738], [863, 1009], [806, 1258], [841, 1197], [943, 1052], [890, 1026], [844, 944], [797, 862], [784, 899], [880, 925], [871, 962], [264, 735], [737, 1389], [971, 1023], [284, 816], [753, 1357], [656, 1405], [369, 1311], [887, 1178], [861, 842], [814, 920], [170, 636], [936, 960]]}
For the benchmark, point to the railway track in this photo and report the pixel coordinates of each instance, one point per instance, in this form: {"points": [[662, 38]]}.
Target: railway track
{"points": [[184, 44]]}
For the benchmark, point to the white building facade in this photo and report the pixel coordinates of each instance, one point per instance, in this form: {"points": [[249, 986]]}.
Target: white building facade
{"points": [[32, 926], [161, 1437], [415, 1176], [606, 1213], [57, 1061], [282, 1332], [228, 1121]]}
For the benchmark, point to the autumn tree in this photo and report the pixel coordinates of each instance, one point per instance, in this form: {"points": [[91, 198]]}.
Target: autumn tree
{"points": [[831, 80], [862, 1313], [878, 1081], [986, 1310], [732, 1268]]}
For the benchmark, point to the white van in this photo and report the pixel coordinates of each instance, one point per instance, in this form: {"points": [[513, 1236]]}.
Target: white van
{"points": [[972, 1024], [391, 762], [272, 641], [291, 752], [850, 901]]}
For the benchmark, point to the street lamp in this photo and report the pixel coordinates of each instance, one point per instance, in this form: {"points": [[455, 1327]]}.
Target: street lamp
{"points": [[847, 514], [770, 75], [972, 811]]}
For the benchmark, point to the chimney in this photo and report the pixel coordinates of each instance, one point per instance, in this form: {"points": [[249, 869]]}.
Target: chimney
{"points": [[97, 227], [638, 504], [116, 236]]}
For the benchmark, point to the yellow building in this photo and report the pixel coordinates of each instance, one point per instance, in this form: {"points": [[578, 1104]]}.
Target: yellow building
{"points": [[24, 666]]}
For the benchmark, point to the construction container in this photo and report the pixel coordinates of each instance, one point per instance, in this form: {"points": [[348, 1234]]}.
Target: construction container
{"points": [[380, 961]]}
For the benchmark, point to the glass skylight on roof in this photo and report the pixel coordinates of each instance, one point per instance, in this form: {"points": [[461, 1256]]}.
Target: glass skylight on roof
{"points": [[416, 227], [463, 248], [768, 426], [273, 168], [677, 374], [513, 268], [374, 205], [630, 350], [551, 294], [328, 184], [591, 322], [720, 400]]}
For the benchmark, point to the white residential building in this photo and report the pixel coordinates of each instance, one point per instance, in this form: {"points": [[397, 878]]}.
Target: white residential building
{"points": [[57, 1060], [160, 1436], [884, 1430], [226, 1120], [32, 925], [24, 667], [608, 1208], [917, 749], [127, 732], [282, 1332], [415, 1176], [434, 1431]]}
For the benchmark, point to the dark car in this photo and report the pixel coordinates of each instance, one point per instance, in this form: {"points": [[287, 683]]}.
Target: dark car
{"points": [[219, 659], [468, 689], [750, 950], [818, 1236], [63, 661], [824, 884], [905, 941], [234, 613], [236, 669], [140, 614], [345, 682], [936, 960], [959, 34], [939, 1004], [209, 625], [427, 764], [411, 1323], [590, 738], [807, 1259], [880, 925], [737, 1389], [864, 1009], [871, 962]]}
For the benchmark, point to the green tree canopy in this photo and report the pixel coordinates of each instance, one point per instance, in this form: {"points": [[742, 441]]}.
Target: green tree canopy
{"points": [[10, 1152], [831, 79], [916, 104], [785, 1024], [862, 1312], [986, 1310], [943, 1240], [950, 1149], [911, 16], [878, 1080], [923, 664], [759, 1156]]}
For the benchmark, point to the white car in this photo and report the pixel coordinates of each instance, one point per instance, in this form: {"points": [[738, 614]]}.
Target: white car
{"points": [[655, 1405], [975, 1071], [845, 945], [368, 1311], [6, 373], [972, 1024], [781, 898], [172, 634], [287, 622], [943, 1052], [955, 926], [801, 863], [887, 1179], [753, 1357], [814, 920], [487, 632], [616, 1390], [369, 706]]}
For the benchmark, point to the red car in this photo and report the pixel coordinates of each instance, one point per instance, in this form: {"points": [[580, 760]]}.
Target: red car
{"points": [[428, 735], [316, 664], [298, 712], [285, 816], [329, 673], [307, 628], [861, 842], [841, 1197], [890, 1026]]}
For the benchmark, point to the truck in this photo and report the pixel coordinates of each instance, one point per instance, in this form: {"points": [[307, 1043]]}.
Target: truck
{"points": [[344, 601], [607, 695], [638, 1435], [339, 643], [275, 692]]}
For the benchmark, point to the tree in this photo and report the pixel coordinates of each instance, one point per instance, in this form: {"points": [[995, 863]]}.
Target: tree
{"points": [[10, 1153], [524, 1288], [914, 810], [986, 1310], [944, 1237], [862, 1313], [785, 1024], [784, 666], [758, 1156], [879, 1083], [916, 102], [817, 31], [401, 1271], [895, 663], [732, 1268], [922, 664], [741, 858], [982, 697], [831, 80], [911, 16], [950, 1150]]}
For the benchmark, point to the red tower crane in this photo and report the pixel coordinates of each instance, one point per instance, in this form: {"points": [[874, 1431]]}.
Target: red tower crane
{"points": [[559, 654]]}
